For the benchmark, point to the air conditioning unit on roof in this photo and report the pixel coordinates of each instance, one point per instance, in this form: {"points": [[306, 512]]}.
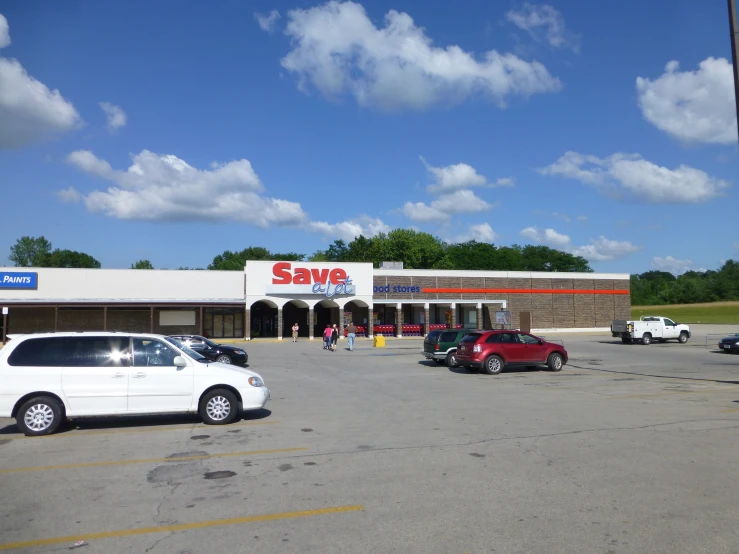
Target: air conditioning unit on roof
{"points": [[391, 265]]}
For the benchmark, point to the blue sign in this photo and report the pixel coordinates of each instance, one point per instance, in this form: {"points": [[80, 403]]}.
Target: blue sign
{"points": [[18, 280]]}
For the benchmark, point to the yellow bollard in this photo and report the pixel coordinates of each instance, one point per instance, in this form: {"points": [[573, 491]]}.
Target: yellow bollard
{"points": [[379, 341]]}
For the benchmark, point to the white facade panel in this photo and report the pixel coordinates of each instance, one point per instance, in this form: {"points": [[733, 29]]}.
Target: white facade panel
{"points": [[129, 285]]}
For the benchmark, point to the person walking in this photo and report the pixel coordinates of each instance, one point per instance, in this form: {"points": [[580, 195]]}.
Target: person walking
{"points": [[334, 337], [351, 334], [327, 337], [295, 332]]}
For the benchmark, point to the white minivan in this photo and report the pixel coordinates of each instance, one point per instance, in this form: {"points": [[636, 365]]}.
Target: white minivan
{"points": [[48, 377]]}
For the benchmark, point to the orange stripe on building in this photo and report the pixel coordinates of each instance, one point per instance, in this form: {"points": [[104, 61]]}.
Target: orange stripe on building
{"points": [[524, 291]]}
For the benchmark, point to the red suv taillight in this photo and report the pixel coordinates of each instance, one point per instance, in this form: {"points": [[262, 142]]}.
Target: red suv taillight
{"points": [[477, 348], [437, 346]]}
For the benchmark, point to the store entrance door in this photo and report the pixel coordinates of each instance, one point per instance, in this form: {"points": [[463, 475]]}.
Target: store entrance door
{"points": [[263, 320]]}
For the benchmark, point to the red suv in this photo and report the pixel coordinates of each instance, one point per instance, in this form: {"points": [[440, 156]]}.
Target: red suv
{"points": [[494, 350]]}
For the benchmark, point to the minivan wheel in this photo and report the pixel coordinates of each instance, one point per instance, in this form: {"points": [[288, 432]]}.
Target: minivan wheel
{"points": [[451, 359], [493, 365], [646, 339], [555, 362], [219, 407], [683, 338], [39, 416], [223, 359]]}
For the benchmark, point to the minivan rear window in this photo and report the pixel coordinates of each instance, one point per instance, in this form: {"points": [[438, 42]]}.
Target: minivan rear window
{"points": [[472, 337], [72, 352]]}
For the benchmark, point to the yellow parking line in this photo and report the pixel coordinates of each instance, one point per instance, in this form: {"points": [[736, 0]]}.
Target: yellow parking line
{"points": [[79, 433], [179, 527], [732, 410], [150, 460]]}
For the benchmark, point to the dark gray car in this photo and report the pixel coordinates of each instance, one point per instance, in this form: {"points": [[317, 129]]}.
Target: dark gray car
{"points": [[215, 352], [730, 344]]}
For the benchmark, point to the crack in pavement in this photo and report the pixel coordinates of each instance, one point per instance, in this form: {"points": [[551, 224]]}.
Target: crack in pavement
{"points": [[656, 376]]}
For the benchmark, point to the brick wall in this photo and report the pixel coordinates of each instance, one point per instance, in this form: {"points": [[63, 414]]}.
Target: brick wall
{"points": [[379, 281], [547, 310], [399, 282], [448, 283], [563, 305], [424, 283], [71, 319], [128, 321], [30, 320], [542, 313]]}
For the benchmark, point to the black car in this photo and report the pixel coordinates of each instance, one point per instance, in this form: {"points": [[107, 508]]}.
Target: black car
{"points": [[730, 344], [214, 352]]}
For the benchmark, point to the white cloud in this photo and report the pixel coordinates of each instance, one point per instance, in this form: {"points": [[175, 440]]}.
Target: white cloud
{"points": [[29, 111], [482, 232], [116, 116], [69, 195], [543, 22], [267, 22], [632, 175], [582, 218], [563, 217], [4, 32], [459, 176], [165, 188], [550, 237], [442, 208], [673, 265], [349, 230], [598, 250], [602, 249], [692, 106], [89, 163], [337, 49]]}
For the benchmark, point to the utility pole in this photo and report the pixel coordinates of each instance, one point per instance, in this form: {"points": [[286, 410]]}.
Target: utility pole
{"points": [[734, 52]]}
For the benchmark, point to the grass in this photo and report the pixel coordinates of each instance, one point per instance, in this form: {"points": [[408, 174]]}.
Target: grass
{"points": [[713, 312]]}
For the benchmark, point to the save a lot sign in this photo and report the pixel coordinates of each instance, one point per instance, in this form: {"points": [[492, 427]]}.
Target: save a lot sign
{"points": [[328, 282]]}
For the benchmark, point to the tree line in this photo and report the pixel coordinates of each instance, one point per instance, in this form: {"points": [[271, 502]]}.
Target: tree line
{"points": [[417, 250], [655, 288]]}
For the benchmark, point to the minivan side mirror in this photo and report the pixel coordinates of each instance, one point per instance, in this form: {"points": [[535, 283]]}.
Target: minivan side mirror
{"points": [[180, 361]]}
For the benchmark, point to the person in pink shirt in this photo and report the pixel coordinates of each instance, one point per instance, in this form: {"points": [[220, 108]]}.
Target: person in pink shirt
{"points": [[327, 337]]}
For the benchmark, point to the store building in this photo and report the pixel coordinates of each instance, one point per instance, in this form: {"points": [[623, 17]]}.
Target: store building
{"points": [[269, 297]]}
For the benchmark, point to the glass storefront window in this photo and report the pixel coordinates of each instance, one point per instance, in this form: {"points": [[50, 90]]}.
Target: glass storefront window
{"points": [[223, 322]]}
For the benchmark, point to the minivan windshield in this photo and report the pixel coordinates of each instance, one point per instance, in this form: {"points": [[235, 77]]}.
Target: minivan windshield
{"points": [[189, 351]]}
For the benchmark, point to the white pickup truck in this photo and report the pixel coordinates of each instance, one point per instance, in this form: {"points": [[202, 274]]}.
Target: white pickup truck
{"points": [[648, 329]]}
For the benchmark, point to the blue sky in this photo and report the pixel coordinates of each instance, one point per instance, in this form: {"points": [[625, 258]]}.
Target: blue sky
{"points": [[180, 130]]}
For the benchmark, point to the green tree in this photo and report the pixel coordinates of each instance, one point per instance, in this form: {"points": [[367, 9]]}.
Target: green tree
{"points": [[660, 287], [142, 264], [30, 252], [235, 261], [71, 258], [543, 258]]}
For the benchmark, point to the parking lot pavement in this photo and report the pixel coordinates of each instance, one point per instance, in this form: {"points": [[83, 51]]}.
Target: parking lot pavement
{"points": [[628, 449]]}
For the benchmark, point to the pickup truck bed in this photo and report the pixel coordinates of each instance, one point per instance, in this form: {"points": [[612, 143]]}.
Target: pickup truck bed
{"points": [[649, 329]]}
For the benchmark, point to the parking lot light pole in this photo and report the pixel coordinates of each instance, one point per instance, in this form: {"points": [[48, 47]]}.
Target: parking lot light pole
{"points": [[734, 52]]}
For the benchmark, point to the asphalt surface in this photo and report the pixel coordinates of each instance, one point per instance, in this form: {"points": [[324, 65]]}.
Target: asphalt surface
{"points": [[629, 449]]}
